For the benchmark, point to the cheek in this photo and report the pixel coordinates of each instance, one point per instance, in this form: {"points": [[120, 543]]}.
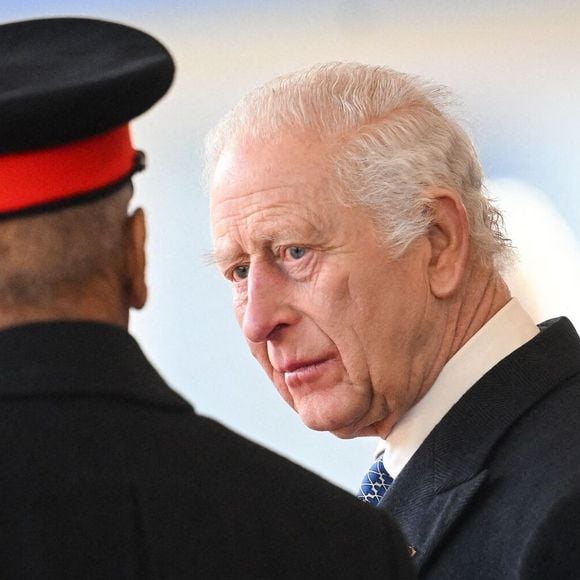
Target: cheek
{"points": [[343, 317]]}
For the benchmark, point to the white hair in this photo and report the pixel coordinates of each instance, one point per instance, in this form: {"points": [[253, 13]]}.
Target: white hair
{"points": [[40, 254], [390, 138]]}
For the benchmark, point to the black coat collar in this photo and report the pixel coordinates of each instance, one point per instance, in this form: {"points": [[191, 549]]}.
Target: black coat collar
{"points": [[78, 359], [446, 472]]}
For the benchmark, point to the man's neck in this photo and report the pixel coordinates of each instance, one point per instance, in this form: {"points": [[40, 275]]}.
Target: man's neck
{"points": [[482, 295], [485, 295], [90, 304]]}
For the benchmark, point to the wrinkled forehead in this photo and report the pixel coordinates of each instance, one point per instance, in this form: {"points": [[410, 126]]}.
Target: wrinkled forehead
{"points": [[275, 193], [247, 167]]}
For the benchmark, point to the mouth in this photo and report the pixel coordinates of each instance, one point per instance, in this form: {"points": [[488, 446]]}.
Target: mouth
{"points": [[298, 373]]}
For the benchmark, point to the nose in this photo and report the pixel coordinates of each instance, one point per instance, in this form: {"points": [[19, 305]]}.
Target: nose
{"points": [[268, 307]]}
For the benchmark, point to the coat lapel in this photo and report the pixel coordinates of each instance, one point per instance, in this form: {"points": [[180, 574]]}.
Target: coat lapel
{"points": [[425, 512], [443, 477]]}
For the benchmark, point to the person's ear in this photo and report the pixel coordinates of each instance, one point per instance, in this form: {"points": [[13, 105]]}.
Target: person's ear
{"points": [[136, 259], [449, 242]]}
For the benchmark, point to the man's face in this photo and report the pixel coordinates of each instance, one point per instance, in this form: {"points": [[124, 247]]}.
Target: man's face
{"points": [[337, 324]]}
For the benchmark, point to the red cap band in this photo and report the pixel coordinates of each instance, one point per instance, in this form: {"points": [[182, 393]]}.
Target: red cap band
{"points": [[36, 178]]}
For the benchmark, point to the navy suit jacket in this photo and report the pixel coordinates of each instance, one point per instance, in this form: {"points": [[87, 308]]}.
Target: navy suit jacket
{"points": [[107, 473], [494, 491]]}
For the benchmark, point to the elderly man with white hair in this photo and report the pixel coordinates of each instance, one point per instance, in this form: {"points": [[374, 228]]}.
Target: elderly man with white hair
{"points": [[366, 261]]}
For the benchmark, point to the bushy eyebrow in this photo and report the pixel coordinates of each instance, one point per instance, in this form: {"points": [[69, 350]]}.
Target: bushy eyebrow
{"points": [[209, 258], [307, 233], [217, 257]]}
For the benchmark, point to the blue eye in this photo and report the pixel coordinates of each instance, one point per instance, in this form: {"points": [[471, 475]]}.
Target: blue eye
{"points": [[240, 272], [296, 252]]}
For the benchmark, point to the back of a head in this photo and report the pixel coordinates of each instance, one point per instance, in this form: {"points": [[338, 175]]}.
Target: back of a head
{"points": [[45, 255], [68, 89], [390, 139]]}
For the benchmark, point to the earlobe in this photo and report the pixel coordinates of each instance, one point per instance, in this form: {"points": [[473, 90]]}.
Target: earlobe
{"points": [[449, 240], [136, 259]]}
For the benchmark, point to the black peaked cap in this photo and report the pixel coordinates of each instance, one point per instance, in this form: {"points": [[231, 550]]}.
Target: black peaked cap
{"points": [[67, 79]]}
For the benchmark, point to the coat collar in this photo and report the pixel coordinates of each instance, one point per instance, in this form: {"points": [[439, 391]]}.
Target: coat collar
{"points": [[444, 475], [79, 358]]}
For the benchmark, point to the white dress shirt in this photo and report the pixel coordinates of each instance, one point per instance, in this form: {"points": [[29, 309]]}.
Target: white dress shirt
{"points": [[505, 332]]}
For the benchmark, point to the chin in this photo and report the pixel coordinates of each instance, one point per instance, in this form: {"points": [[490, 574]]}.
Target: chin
{"points": [[342, 425], [352, 432], [345, 423]]}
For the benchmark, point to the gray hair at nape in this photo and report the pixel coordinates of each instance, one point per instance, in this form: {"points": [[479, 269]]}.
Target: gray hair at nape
{"points": [[391, 139], [40, 255]]}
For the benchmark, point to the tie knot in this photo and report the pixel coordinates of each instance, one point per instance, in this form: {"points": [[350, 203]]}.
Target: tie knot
{"points": [[375, 483]]}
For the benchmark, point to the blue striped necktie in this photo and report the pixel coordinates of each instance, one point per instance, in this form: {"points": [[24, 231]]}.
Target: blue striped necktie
{"points": [[375, 483]]}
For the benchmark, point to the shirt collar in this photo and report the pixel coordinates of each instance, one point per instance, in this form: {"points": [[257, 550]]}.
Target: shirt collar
{"points": [[505, 332]]}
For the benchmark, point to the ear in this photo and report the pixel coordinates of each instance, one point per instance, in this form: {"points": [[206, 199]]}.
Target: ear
{"points": [[449, 242], [136, 259]]}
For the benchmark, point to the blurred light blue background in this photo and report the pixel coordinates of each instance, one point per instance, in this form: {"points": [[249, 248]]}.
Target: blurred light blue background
{"points": [[514, 66]]}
